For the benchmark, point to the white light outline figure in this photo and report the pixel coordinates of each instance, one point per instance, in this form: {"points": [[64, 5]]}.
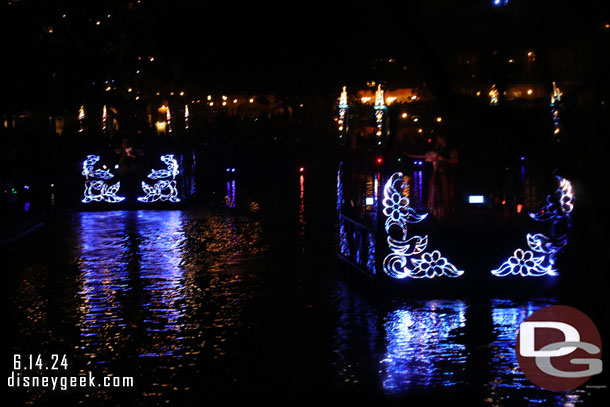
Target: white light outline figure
{"points": [[407, 257], [105, 192], [155, 193], [557, 211]]}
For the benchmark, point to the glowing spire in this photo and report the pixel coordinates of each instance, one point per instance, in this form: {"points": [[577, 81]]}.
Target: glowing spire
{"points": [[343, 99], [186, 116], [379, 99], [556, 96], [168, 117], [81, 118], [104, 117], [493, 95]]}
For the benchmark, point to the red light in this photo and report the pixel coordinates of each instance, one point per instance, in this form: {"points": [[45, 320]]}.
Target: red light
{"points": [[379, 160], [429, 140], [301, 169]]}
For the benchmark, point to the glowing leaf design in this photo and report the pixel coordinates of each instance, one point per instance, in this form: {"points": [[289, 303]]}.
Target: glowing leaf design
{"points": [[407, 257], [557, 211]]}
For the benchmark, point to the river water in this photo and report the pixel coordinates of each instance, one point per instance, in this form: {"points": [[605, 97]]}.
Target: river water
{"points": [[246, 299]]}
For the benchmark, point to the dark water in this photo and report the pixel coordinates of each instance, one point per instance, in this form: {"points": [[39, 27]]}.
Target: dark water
{"points": [[200, 305]]}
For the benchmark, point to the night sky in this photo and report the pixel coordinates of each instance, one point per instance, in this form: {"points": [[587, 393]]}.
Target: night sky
{"points": [[59, 46]]}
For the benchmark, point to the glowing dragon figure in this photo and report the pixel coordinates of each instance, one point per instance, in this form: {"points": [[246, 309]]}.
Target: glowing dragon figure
{"points": [[96, 190], [407, 257], [539, 260], [165, 189]]}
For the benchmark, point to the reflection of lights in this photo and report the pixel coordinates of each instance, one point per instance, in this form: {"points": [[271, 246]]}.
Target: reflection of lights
{"points": [[231, 192], [424, 348], [507, 378]]}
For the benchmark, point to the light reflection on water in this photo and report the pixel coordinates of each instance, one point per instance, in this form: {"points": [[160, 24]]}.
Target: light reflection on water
{"points": [[423, 346], [173, 298], [412, 347], [417, 347], [164, 286], [508, 383]]}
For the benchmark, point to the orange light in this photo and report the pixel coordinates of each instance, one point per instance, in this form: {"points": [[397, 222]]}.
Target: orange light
{"points": [[504, 202], [519, 208]]}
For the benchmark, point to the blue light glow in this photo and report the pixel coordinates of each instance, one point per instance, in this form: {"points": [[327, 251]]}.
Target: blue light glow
{"points": [[230, 197], [476, 199], [540, 259], [407, 257], [424, 348], [157, 192], [96, 189]]}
